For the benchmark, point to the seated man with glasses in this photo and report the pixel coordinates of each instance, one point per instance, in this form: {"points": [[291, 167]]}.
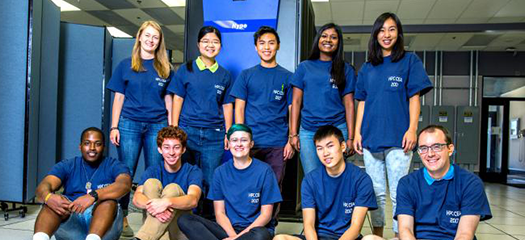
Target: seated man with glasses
{"points": [[441, 200]]}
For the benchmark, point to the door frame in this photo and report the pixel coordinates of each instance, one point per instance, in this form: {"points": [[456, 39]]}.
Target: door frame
{"points": [[495, 177], [492, 176]]}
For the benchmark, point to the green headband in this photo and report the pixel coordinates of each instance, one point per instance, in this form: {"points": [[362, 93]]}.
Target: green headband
{"points": [[239, 127]]}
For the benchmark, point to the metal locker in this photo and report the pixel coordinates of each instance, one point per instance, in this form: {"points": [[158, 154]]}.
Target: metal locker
{"points": [[467, 135], [446, 117]]}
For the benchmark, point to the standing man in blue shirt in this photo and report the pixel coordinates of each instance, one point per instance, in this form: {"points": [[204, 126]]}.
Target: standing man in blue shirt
{"points": [[440, 201], [87, 208], [335, 197], [262, 101], [169, 189]]}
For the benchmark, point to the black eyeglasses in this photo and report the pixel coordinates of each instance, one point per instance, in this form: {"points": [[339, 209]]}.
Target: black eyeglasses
{"points": [[438, 147]]}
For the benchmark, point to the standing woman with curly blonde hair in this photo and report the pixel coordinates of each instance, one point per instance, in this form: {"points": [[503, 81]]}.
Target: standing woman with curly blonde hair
{"points": [[141, 106]]}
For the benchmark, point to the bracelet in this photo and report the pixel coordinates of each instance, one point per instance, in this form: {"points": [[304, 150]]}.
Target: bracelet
{"points": [[47, 197], [293, 135], [113, 128]]}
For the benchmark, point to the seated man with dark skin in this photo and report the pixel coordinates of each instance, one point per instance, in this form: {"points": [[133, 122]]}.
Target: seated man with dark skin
{"points": [[169, 189], [336, 196], [87, 208], [440, 201]]}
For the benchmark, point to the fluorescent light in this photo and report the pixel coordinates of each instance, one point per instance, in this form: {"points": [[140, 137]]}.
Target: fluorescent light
{"points": [[115, 32], [320, 0], [65, 6], [473, 47], [175, 3]]}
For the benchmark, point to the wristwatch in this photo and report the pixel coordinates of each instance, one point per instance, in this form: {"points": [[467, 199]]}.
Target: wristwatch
{"points": [[94, 194]]}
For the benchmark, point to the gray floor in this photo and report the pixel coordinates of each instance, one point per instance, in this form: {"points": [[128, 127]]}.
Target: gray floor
{"points": [[507, 204]]}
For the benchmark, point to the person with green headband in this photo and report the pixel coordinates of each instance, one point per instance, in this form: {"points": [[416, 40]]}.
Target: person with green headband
{"points": [[243, 191]]}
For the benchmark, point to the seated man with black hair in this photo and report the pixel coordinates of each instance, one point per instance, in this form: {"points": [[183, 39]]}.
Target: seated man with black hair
{"points": [[440, 201], [169, 189], [88, 208], [335, 197]]}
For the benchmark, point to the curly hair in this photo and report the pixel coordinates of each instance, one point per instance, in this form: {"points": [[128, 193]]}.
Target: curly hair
{"points": [[172, 132]]}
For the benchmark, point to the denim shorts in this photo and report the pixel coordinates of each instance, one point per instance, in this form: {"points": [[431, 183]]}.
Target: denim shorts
{"points": [[77, 226]]}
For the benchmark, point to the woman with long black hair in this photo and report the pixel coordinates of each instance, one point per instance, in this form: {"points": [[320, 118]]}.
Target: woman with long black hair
{"points": [[323, 89], [388, 89]]}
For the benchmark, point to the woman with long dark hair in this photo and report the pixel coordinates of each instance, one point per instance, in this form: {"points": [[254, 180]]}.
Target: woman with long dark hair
{"points": [[323, 89], [388, 89], [141, 106], [202, 105]]}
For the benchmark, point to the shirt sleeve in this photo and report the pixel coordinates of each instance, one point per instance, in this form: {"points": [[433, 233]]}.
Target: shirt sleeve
{"points": [[227, 97], [195, 177], [62, 170], [289, 89], [176, 85], [405, 202], [270, 193], [474, 201], [240, 88], [117, 82], [360, 86], [215, 192], [350, 80], [366, 196], [418, 81], [307, 194], [117, 168], [298, 77]]}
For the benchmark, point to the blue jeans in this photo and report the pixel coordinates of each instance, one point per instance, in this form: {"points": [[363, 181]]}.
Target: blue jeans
{"points": [[308, 152], [134, 136], [205, 148], [397, 164], [77, 226]]}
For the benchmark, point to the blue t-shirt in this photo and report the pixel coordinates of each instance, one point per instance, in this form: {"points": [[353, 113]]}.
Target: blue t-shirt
{"points": [[437, 208], [144, 91], [334, 198], [268, 94], [75, 173], [204, 94], [322, 99], [244, 191], [386, 89], [187, 175]]}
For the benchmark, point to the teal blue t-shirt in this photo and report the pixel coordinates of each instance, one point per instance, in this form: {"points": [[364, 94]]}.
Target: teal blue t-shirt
{"points": [[186, 176], [438, 207], [76, 172], [244, 191], [322, 99], [144, 91], [268, 94], [334, 198], [386, 89], [204, 93]]}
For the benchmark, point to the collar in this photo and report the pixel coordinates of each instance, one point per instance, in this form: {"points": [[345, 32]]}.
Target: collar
{"points": [[449, 175], [202, 66]]}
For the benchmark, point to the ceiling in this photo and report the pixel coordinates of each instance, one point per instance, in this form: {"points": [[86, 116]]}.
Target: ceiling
{"points": [[355, 16], [352, 15], [128, 15]]}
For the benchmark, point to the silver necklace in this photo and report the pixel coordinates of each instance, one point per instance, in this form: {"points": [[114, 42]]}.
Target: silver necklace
{"points": [[88, 183]]}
